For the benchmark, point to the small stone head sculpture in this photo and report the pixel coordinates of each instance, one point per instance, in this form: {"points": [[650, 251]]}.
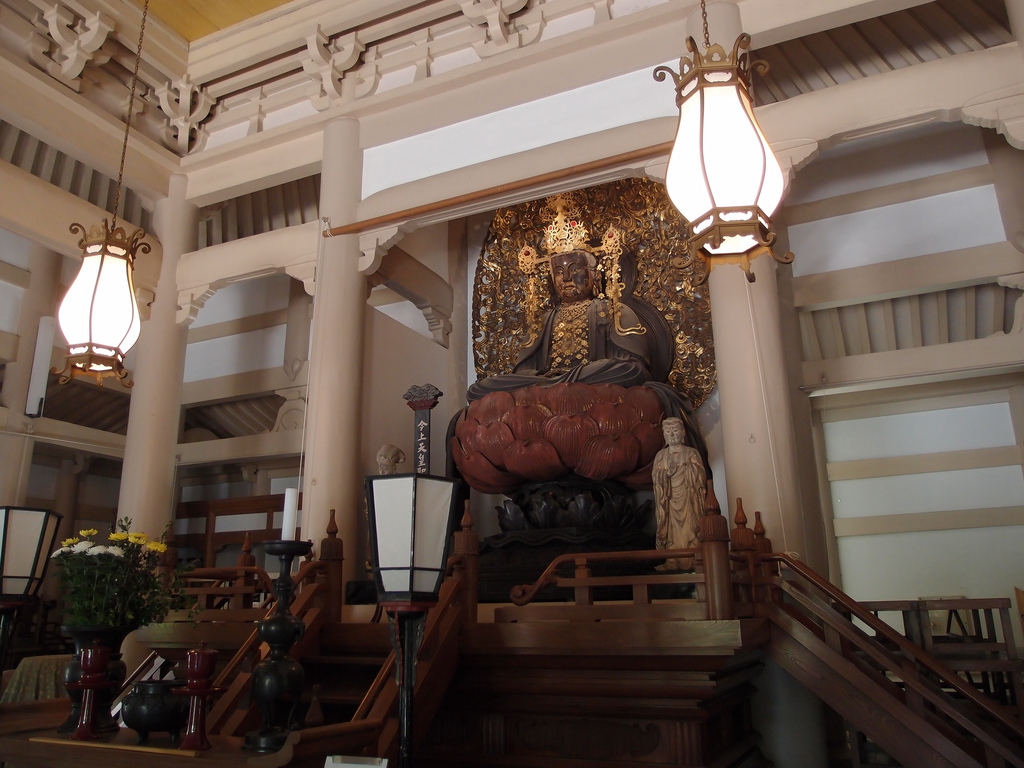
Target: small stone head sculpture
{"points": [[388, 458]]}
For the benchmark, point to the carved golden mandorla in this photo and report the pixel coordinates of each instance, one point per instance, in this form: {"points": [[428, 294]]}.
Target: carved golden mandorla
{"points": [[509, 303]]}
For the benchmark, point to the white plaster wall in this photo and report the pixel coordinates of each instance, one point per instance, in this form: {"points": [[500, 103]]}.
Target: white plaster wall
{"points": [[979, 562], [429, 246], [10, 307], [216, 491], [395, 359], [935, 224], [15, 249], [100, 491], [42, 482], [240, 353], [636, 97], [974, 562], [406, 313], [905, 434], [244, 299], [915, 153]]}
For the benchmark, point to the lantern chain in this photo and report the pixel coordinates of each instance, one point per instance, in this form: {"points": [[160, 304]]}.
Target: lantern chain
{"points": [[128, 121], [704, 18]]}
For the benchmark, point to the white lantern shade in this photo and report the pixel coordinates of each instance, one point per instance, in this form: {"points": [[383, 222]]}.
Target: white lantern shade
{"points": [[27, 536], [411, 518], [721, 162], [100, 314]]}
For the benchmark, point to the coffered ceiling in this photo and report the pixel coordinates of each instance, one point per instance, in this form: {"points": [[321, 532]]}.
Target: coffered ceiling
{"points": [[193, 19]]}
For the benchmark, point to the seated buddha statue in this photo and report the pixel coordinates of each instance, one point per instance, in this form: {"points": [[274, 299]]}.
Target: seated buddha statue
{"points": [[584, 337], [596, 331]]}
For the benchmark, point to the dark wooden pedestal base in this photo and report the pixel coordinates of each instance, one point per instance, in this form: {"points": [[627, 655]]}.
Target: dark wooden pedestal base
{"points": [[602, 707]]}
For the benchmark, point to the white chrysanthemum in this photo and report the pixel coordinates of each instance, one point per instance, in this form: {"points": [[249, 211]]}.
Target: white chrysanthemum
{"points": [[115, 551], [82, 546], [61, 551]]}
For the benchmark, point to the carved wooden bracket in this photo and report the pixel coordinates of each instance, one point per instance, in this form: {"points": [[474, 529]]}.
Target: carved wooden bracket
{"points": [[186, 106], [375, 246], [77, 40], [292, 412], [428, 291], [1002, 110], [329, 65], [191, 300], [499, 32]]}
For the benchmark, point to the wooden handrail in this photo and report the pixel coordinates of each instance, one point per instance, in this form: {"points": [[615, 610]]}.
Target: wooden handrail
{"points": [[526, 593], [909, 651], [234, 572]]}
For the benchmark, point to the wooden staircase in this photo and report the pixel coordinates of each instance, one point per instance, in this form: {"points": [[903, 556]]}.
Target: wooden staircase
{"points": [[645, 683], [591, 684], [905, 699]]}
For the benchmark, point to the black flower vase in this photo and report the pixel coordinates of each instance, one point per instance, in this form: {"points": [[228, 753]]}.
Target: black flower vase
{"points": [[109, 637]]}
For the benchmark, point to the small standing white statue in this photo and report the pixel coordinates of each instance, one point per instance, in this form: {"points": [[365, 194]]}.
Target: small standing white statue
{"points": [[388, 458], [680, 490]]}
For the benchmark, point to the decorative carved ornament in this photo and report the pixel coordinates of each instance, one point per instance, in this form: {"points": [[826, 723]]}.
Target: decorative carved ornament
{"points": [[186, 105], [653, 235]]}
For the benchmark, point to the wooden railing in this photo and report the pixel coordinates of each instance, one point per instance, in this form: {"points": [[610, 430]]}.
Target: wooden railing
{"points": [[923, 700], [974, 638], [988, 732], [211, 540]]}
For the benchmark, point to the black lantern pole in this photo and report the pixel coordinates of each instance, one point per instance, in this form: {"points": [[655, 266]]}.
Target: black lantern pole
{"points": [[411, 518], [278, 681]]}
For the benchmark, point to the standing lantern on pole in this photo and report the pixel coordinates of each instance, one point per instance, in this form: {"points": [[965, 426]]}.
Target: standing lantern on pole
{"points": [[411, 518]]}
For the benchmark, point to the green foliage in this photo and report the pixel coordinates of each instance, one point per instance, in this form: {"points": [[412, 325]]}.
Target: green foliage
{"points": [[115, 584]]}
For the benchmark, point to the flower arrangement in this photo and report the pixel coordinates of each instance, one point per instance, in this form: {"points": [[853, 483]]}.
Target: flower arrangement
{"points": [[115, 584]]}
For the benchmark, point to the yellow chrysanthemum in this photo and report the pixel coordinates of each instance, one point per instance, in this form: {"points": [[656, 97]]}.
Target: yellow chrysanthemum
{"points": [[156, 546], [70, 542], [119, 536], [138, 538], [88, 532]]}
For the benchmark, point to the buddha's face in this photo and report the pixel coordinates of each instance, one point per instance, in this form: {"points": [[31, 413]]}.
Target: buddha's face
{"points": [[673, 431], [573, 277]]}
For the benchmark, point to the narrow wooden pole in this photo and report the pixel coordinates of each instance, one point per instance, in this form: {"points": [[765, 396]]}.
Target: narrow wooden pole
{"points": [[714, 537], [246, 580], [332, 551], [501, 189], [467, 548], [743, 542]]}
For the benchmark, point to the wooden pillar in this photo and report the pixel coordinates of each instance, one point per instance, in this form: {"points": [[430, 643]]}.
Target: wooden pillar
{"points": [[147, 475], [333, 475]]}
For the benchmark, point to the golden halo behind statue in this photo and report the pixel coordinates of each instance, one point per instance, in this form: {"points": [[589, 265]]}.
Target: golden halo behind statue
{"points": [[654, 263]]}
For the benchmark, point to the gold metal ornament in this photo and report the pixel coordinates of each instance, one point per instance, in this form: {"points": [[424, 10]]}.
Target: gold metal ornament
{"points": [[644, 246]]}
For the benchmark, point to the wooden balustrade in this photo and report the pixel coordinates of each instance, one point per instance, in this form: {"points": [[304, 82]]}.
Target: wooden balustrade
{"points": [[213, 540]]}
